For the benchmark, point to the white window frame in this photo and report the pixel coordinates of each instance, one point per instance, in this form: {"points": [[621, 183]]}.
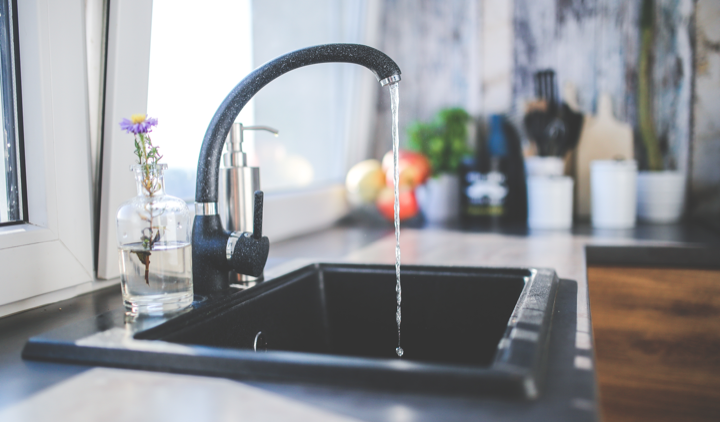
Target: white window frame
{"points": [[50, 257], [126, 91]]}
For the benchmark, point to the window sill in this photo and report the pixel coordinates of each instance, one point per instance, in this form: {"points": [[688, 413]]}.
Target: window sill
{"points": [[24, 234]]}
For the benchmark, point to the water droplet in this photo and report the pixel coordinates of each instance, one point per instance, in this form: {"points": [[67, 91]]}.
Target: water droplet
{"points": [[399, 351], [124, 235]]}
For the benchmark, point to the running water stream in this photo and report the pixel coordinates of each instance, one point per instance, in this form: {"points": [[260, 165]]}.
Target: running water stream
{"points": [[394, 103]]}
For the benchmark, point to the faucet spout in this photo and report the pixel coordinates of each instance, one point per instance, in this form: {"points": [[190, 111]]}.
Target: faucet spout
{"points": [[214, 250], [384, 68]]}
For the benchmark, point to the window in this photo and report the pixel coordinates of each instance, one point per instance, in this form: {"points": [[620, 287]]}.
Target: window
{"points": [[191, 72], [47, 252], [178, 62], [11, 192]]}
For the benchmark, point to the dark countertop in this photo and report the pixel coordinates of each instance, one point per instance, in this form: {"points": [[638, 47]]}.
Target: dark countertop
{"points": [[570, 390], [684, 232]]}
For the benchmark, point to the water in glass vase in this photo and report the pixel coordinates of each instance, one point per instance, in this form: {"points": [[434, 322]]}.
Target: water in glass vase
{"points": [[160, 282]]}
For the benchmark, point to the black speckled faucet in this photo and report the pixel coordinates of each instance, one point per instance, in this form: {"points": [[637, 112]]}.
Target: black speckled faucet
{"points": [[214, 250]]}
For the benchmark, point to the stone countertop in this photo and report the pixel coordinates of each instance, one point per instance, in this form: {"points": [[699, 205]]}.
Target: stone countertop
{"points": [[38, 390]]}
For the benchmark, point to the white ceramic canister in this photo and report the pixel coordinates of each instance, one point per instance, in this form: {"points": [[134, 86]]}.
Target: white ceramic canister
{"points": [[550, 202], [660, 196], [613, 187], [544, 166]]}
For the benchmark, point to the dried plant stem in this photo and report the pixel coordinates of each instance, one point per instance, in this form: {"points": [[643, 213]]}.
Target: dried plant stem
{"points": [[148, 156], [147, 269]]}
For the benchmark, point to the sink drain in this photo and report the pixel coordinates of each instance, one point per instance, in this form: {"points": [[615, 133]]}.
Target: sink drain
{"points": [[260, 345]]}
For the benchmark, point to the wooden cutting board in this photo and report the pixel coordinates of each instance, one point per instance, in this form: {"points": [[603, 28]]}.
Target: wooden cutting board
{"points": [[602, 138]]}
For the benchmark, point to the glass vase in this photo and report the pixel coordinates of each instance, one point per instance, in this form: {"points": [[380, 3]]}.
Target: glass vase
{"points": [[154, 233]]}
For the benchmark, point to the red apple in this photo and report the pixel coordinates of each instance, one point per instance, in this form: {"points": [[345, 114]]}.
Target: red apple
{"points": [[408, 204], [414, 168], [408, 176]]}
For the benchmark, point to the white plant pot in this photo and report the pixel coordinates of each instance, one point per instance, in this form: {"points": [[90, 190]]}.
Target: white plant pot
{"points": [[660, 196], [439, 198]]}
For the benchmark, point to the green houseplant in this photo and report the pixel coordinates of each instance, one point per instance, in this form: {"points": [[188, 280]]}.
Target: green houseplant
{"points": [[444, 142], [660, 190]]}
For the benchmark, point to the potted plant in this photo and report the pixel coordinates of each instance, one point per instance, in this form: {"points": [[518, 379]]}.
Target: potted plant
{"points": [[444, 142], [660, 191]]}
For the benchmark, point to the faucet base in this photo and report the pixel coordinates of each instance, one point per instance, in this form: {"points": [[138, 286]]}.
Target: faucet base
{"points": [[211, 261], [210, 265]]}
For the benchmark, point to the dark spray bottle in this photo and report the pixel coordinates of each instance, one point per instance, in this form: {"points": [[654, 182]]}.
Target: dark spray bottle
{"points": [[493, 188]]}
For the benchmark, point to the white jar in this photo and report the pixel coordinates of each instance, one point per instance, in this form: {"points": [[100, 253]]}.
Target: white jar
{"points": [[613, 187], [550, 202]]}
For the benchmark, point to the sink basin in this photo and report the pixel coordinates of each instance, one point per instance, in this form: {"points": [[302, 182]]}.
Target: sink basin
{"points": [[464, 329]]}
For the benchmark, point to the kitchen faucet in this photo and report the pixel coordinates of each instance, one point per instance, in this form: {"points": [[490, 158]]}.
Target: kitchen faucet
{"points": [[216, 251]]}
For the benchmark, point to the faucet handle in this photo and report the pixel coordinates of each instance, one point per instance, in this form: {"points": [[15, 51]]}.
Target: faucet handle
{"points": [[247, 252], [248, 255], [258, 214]]}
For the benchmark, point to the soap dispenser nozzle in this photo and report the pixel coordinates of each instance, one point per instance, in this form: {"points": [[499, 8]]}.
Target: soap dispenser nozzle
{"points": [[235, 156]]}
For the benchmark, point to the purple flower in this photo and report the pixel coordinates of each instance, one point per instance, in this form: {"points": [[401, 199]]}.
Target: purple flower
{"points": [[138, 123]]}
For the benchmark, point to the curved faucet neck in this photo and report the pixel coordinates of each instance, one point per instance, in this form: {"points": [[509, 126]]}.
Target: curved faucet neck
{"points": [[384, 68]]}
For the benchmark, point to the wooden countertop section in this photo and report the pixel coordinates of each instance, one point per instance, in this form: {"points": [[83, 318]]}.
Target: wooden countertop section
{"points": [[657, 335]]}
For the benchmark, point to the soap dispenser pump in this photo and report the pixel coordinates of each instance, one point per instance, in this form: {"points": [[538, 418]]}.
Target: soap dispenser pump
{"points": [[238, 184]]}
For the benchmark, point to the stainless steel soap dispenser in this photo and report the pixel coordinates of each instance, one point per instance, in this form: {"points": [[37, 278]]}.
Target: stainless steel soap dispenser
{"points": [[238, 184]]}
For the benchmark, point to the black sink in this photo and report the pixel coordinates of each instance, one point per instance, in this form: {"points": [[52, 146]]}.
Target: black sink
{"points": [[472, 330]]}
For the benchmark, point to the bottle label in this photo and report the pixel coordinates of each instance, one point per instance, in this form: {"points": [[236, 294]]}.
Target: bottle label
{"points": [[485, 193]]}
